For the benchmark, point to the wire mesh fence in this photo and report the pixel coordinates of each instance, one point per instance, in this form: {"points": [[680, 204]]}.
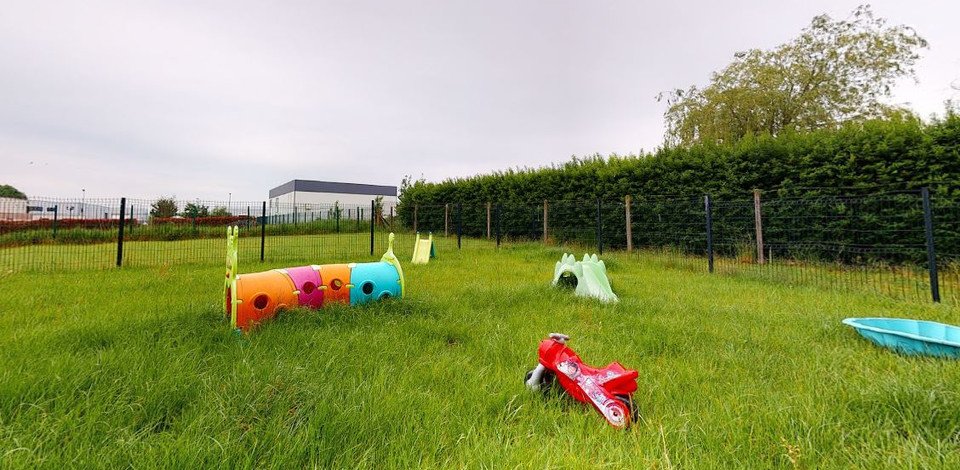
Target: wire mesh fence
{"points": [[900, 244]]}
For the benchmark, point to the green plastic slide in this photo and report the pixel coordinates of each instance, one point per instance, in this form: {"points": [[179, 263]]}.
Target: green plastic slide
{"points": [[588, 277], [423, 250]]}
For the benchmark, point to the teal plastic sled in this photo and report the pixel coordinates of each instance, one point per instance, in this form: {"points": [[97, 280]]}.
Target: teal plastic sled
{"points": [[588, 277], [911, 337]]}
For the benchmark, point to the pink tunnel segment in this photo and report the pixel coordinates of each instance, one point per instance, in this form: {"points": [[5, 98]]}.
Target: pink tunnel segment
{"points": [[308, 282]]}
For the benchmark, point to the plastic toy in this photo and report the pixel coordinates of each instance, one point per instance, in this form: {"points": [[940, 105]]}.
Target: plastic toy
{"points": [[609, 390], [423, 250], [911, 337], [250, 299], [588, 277]]}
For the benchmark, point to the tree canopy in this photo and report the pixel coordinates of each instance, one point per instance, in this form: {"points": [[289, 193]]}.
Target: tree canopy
{"points": [[835, 71], [220, 211], [164, 207], [194, 211], [9, 191]]}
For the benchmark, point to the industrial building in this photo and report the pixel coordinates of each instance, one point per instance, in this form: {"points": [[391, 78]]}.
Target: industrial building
{"points": [[316, 199]]}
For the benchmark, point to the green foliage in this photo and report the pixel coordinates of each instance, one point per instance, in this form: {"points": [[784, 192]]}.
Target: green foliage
{"points": [[836, 71], [9, 191], [163, 207], [806, 171], [195, 210], [336, 211], [378, 210], [899, 153], [220, 211]]}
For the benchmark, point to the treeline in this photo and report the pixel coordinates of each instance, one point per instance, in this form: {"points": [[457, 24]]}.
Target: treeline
{"points": [[903, 153], [820, 190]]}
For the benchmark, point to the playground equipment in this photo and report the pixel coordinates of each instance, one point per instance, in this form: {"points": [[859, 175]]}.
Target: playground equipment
{"points": [[250, 299], [423, 250], [609, 390], [588, 277], [910, 337]]}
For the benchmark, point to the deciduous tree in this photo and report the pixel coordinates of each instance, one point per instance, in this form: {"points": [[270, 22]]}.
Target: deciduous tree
{"points": [[9, 191], [836, 71], [163, 207], [193, 211]]}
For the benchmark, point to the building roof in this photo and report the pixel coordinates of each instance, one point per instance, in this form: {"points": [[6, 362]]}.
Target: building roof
{"points": [[311, 186]]}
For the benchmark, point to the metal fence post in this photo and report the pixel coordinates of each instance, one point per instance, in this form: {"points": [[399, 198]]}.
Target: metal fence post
{"points": [[758, 225], [373, 216], [56, 209], [459, 224], [446, 220], [263, 230], [931, 250], [599, 229], [248, 217], [708, 209], [123, 212], [499, 218], [416, 208], [627, 200], [488, 220]]}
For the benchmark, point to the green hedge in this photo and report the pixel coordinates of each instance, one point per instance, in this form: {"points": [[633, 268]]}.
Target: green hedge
{"points": [[901, 154], [806, 180]]}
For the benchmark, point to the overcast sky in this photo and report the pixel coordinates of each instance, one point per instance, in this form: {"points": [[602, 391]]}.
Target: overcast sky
{"points": [[202, 99]]}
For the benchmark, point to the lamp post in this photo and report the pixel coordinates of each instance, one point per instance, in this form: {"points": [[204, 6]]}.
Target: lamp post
{"points": [[83, 200], [229, 198]]}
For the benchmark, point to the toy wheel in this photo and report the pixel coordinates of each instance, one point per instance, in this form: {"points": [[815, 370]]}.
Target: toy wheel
{"points": [[546, 380], [627, 401]]}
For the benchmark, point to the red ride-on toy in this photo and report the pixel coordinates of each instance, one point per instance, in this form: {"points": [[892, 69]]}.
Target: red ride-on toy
{"points": [[609, 390]]}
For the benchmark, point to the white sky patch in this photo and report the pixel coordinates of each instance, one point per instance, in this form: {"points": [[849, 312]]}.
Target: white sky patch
{"points": [[202, 99]]}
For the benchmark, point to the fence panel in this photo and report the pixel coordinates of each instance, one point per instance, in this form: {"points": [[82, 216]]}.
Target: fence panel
{"points": [[873, 242]]}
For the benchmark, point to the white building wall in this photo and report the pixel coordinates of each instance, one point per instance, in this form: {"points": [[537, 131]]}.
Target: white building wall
{"points": [[323, 201], [13, 209]]}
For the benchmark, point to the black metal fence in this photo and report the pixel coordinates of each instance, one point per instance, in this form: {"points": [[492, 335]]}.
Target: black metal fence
{"points": [[56, 234], [904, 244], [901, 244]]}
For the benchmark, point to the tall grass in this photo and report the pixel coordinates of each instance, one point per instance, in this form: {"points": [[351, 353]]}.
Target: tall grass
{"points": [[136, 367]]}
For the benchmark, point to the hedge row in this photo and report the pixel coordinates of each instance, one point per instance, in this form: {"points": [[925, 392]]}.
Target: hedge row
{"points": [[900, 154], [807, 182], [205, 221]]}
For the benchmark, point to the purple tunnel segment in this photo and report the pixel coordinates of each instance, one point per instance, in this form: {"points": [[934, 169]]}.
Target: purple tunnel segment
{"points": [[308, 282]]}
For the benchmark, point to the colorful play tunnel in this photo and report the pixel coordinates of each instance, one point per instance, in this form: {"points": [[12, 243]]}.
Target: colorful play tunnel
{"points": [[256, 297]]}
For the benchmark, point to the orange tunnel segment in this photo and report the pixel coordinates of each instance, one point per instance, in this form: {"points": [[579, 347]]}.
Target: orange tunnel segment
{"points": [[260, 295], [336, 278]]}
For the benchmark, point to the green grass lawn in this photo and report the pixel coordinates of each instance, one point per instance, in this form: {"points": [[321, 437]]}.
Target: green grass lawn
{"points": [[136, 367]]}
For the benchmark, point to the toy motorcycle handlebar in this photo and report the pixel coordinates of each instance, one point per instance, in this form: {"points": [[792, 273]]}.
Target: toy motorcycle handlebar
{"points": [[559, 337]]}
